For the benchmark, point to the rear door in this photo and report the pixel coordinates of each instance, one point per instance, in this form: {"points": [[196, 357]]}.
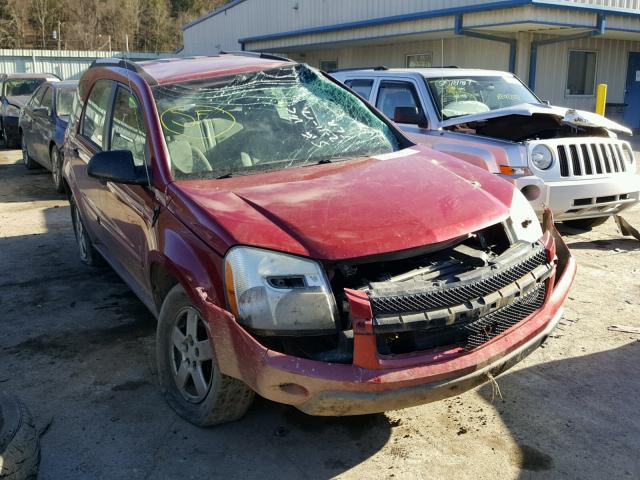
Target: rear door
{"points": [[127, 210], [88, 140]]}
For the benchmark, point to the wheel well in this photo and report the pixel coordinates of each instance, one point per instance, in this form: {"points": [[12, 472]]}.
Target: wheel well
{"points": [[52, 144], [162, 281]]}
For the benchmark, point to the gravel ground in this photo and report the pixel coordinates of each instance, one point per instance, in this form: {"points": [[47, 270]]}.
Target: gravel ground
{"points": [[77, 347]]}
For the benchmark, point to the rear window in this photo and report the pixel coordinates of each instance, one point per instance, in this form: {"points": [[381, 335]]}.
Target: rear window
{"points": [[263, 121], [21, 88]]}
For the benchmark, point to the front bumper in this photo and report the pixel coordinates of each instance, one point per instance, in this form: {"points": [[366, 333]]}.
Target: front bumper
{"points": [[574, 199], [374, 383]]}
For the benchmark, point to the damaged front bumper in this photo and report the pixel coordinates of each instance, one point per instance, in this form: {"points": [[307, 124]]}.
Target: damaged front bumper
{"points": [[376, 383], [575, 199]]}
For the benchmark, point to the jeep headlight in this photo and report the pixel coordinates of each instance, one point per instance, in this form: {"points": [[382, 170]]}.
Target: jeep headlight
{"points": [[278, 294], [541, 157], [522, 224], [12, 111]]}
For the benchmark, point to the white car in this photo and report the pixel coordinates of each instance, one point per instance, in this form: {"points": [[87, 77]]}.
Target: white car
{"points": [[569, 160]]}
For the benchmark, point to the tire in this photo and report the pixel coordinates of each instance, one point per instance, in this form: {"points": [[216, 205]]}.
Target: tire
{"points": [[29, 162], [182, 359], [56, 169], [19, 444], [86, 250], [586, 223]]}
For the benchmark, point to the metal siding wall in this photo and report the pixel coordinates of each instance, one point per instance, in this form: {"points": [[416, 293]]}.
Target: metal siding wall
{"points": [[553, 63], [261, 17], [68, 64], [463, 52]]}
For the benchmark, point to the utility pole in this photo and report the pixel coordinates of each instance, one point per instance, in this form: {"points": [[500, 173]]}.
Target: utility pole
{"points": [[59, 35]]}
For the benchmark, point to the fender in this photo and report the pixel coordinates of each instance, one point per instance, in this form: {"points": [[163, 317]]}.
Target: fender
{"points": [[189, 260]]}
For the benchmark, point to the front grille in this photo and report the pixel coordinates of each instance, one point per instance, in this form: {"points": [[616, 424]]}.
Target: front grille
{"points": [[495, 323], [580, 160], [456, 294]]}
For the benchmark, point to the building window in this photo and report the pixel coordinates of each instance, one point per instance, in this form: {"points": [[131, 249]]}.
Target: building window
{"points": [[581, 77], [423, 60], [328, 65]]}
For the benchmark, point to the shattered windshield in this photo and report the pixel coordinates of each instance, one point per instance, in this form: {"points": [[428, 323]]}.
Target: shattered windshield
{"points": [[262, 121], [21, 88], [458, 96]]}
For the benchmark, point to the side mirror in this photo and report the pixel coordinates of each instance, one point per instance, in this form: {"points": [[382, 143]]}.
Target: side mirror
{"points": [[117, 166], [409, 115], [41, 111]]}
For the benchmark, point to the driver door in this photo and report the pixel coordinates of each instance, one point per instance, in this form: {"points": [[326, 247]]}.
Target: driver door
{"points": [[127, 210], [395, 93]]}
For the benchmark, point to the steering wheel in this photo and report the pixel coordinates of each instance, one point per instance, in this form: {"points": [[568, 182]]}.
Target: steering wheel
{"points": [[200, 161]]}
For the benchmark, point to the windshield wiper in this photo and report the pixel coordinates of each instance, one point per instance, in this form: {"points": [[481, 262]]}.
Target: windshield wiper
{"points": [[226, 175]]}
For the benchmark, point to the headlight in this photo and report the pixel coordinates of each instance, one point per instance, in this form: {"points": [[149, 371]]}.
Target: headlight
{"points": [[628, 154], [522, 223], [541, 157], [276, 293], [12, 111]]}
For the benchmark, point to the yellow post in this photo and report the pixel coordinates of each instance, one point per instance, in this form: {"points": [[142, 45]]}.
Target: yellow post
{"points": [[601, 98]]}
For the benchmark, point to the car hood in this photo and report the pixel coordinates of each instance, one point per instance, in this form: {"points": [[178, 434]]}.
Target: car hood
{"points": [[350, 209], [569, 116], [19, 101]]}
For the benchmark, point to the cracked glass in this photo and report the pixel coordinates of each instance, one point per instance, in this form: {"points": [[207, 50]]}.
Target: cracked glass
{"points": [[264, 121]]}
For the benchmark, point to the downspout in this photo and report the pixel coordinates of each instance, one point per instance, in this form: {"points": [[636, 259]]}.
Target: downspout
{"points": [[533, 58], [460, 30]]}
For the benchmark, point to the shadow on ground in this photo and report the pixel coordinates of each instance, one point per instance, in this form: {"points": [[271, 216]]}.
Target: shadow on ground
{"points": [[551, 404]]}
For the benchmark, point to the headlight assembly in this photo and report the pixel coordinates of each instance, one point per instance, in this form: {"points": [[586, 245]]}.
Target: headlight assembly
{"points": [[541, 157], [522, 224], [278, 294]]}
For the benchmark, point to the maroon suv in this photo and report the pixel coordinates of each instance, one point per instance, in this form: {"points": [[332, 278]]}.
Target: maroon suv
{"points": [[292, 242]]}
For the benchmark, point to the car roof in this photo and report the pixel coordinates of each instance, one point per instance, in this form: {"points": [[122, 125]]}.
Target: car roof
{"points": [[64, 84], [433, 72], [181, 69]]}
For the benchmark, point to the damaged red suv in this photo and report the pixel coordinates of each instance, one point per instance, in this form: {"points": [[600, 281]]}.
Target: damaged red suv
{"points": [[292, 242]]}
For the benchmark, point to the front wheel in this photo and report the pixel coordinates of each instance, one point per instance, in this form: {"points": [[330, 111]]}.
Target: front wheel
{"points": [[56, 169], [585, 223], [188, 372]]}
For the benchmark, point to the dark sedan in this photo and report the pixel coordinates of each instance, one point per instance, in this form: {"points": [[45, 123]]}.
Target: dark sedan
{"points": [[15, 91], [42, 125]]}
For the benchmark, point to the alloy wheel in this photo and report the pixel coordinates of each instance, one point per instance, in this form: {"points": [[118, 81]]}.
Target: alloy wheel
{"points": [[80, 237], [191, 356]]}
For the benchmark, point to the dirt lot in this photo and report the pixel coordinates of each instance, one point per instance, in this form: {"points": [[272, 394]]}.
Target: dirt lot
{"points": [[77, 347]]}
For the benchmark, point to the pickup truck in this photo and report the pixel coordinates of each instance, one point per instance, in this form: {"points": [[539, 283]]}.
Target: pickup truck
{"points": [[568, 160]]}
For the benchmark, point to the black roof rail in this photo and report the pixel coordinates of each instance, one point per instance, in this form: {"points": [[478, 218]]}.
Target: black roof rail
{"points": [[247, 53], [126, 64], [353, 69], [117, 62]]}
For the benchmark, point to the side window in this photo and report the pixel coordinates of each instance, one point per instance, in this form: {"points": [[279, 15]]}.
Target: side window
{"points": [[37, 96], [127, 128], [47, 98], [361, 87], [95, 112], [397, 94]]}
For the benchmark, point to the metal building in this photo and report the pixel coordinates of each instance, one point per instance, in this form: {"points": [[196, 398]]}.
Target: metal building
{"points": [[563, 49], [66, 64]]}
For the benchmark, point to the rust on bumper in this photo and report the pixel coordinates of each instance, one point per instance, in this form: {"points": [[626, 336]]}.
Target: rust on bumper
{"points": [[375, 384]]}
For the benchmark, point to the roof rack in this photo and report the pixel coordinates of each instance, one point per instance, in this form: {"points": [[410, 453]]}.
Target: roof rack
{"points": [[353, 69], [247, 53], [117, 62]]}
